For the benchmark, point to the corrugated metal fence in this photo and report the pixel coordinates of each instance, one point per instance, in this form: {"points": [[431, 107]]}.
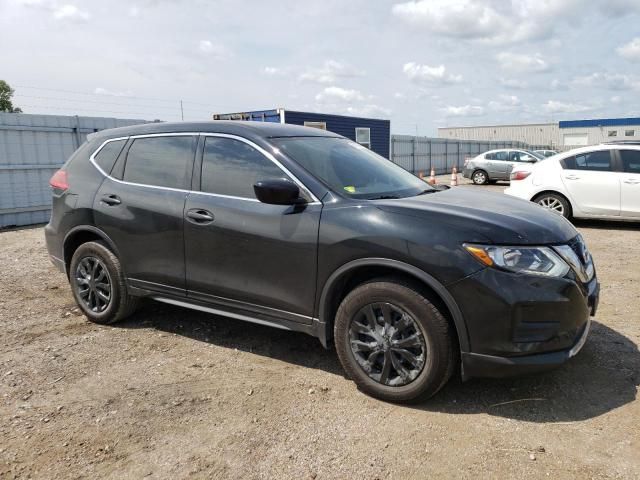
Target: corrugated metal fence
{"points": [[32, 147], [419, 154]]}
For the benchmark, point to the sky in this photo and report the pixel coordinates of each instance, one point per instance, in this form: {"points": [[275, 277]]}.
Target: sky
{"points": [[423, 64]]}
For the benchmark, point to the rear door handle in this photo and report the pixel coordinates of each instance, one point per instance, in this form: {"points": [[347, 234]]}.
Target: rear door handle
{"points": [[199, 216], [111, 200], [631, 181], [572, 177]]}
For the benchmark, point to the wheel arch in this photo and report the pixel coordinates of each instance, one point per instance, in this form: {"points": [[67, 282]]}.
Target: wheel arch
{"points": [[356, 272], [83, 234]]}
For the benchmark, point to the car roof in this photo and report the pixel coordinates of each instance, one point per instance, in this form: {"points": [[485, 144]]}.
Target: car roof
{"points": [[509, 149], [230, 127]]}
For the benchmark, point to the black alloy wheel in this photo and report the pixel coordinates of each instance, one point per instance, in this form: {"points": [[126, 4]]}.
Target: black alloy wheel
{"points": [[387, 344]]}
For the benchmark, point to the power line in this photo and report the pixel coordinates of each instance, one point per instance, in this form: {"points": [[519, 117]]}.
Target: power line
{"points": [[169, 100], [210, 110]]}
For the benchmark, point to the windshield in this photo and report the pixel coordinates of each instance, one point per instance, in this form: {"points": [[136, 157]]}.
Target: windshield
{"points": [[537, 155], [351, 169]]}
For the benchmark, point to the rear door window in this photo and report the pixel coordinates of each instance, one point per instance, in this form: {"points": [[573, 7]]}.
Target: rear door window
{"points": [[160, 161], [108, 154], [599, 161], [503, 156], [630, 160]]}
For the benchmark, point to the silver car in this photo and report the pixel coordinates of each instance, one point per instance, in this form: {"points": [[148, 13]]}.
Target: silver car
{"points": [[497, 164]]}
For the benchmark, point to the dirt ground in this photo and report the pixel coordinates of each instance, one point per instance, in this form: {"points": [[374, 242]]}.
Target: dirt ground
{"points": [[174, 393]]}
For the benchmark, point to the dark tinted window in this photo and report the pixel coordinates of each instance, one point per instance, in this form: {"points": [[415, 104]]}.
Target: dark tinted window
{"points": [[108, 155], [497, 156], [630, 160], [598, 161], [231, 167], [160, 161]]}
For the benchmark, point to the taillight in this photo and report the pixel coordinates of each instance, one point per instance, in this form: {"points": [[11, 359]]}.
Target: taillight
{"points": [[519, 175], [59, 180]]}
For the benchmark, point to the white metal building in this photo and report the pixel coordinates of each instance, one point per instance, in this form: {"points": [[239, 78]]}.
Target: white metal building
{"points": [[562, 135]]}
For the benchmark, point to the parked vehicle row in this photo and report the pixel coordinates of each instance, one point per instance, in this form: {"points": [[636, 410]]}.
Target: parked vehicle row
{"points": [[302, 229], [497, 164]]}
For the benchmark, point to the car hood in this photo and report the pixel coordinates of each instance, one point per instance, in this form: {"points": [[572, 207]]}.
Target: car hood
{"points": [[486, 216]]}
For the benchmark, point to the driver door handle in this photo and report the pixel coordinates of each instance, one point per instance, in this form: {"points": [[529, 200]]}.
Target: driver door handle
{"points": [[631, 181], [572, 177], [199, 216]]}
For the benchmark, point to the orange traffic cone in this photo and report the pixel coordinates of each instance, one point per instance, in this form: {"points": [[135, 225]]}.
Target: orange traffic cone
{"points": [[432, 177], [454, 177], [421, 175]]}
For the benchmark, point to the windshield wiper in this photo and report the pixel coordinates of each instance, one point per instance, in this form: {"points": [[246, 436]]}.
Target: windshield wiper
{"points": [[424, 192], [385, 197]]}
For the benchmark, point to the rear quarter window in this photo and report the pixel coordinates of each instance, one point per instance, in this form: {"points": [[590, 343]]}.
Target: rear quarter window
{"points": [[108, 154]]}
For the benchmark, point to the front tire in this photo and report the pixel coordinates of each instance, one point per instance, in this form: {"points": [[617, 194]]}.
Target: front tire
{"points": [[479, 177], [98, 284], [393, 342]]}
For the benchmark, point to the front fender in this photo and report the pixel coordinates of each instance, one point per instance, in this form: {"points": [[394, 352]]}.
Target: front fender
{"points": [[325, 326]]}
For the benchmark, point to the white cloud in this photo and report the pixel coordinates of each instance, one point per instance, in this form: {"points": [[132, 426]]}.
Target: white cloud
{"points": [[615, 99], [215, 50], [274, 71], [463, 111], [369, 110], [433, 76], [513, 83], [553, 106], [523, 63], [558, 85], [487, 20], [330, 72], [70, 12], [399, 96], [631, 50], [610, 81], [104, 91], [505, 103], [340, 95]]}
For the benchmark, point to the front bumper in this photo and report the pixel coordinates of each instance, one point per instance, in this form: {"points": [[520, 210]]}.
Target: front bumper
{"points": [[520, 324], [479, 365]]}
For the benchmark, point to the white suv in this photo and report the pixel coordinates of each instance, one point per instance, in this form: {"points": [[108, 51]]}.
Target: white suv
{"points": [[600, 181]]}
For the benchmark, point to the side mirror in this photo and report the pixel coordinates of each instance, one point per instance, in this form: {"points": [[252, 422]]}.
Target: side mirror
{"points": [[278, 192]]}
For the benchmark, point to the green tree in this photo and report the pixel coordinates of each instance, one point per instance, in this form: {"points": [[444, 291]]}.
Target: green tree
{"points": [[6, 92]]}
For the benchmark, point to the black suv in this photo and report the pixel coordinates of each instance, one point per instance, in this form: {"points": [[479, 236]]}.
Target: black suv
{"points": [[304, 230]]}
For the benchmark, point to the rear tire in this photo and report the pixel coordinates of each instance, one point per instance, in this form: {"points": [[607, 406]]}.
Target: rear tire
{"points": [[480, 177], [556, 203], [415, 338], [98, 284]]}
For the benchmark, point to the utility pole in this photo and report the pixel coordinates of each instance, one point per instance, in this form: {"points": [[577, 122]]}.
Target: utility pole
{"points": [[181, 111]]}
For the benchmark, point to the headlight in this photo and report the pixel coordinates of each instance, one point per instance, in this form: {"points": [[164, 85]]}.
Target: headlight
{"points": [[531, 260]]}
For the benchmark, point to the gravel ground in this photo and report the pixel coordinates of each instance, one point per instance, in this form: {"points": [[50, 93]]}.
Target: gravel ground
{"points": [[174, 393]]}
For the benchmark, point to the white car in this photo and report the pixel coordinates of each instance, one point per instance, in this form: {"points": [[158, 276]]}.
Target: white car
{"points": [[600, 181]]}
